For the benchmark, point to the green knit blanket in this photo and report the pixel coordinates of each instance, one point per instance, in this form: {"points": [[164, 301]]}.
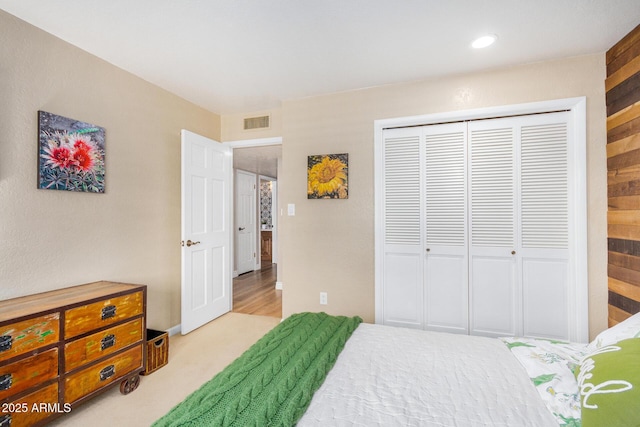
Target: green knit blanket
{"points": [[272, 383]]}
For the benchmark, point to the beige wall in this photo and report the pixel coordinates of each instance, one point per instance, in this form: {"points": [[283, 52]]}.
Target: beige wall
{"points": [[53, 239], [329, 244]]}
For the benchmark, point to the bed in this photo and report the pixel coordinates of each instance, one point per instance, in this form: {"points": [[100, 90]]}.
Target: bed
{"points": [[319, 370]]}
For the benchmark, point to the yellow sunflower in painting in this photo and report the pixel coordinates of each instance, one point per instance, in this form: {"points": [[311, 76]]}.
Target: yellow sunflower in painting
{"points": [[328, 178]]}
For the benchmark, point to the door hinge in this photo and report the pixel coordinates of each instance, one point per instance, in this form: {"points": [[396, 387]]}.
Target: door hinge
{"points": [[254, 254]]}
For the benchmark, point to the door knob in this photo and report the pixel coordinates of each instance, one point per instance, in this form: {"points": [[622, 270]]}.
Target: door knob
{"points": [[241, 228], [190, 243], [513, 252]]}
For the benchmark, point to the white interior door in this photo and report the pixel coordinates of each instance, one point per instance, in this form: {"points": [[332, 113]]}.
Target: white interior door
{"points": [[520, 226], [493, 290], [446, 277], [545, 223], [245, 221], [525, 222], [206, 230], [403, 214]]}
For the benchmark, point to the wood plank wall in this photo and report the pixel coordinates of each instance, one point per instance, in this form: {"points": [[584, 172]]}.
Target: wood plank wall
{"points": [[623, 170]]}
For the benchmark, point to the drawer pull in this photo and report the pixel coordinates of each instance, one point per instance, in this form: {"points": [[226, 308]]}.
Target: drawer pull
{"points": [[6, 341], [6, 381], [107, 341], [108, 311], [107, 372], [5, 420]]}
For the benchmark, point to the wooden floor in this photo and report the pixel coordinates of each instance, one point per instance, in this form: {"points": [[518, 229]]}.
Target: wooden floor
{"points": [[255, 293]]}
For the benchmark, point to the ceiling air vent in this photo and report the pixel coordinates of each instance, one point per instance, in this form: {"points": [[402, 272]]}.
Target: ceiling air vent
{"points": [[256, 122]]}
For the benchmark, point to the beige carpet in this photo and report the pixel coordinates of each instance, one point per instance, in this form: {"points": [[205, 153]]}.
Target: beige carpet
{"points": [[193, 359]]}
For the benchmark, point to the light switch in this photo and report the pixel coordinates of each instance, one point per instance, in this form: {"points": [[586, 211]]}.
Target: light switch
{"points": [[323, 298], [291, 209]]}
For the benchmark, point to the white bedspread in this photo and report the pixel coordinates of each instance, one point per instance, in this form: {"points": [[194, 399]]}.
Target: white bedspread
{"points": [[389, 376]]}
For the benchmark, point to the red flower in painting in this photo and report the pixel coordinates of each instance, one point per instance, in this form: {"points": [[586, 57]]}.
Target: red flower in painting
{"points": [[72, 152], [60, 157], [82, 159], [81, 142]]}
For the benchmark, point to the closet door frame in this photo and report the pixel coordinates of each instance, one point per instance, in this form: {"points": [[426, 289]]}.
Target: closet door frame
{"points": [[578, 287]]}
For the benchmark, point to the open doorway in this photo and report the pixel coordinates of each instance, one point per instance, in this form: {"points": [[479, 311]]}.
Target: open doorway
{"points": [[256, 292]]}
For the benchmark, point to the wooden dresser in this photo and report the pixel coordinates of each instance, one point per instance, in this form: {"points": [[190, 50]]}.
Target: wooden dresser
{"points": [[60, 348]]}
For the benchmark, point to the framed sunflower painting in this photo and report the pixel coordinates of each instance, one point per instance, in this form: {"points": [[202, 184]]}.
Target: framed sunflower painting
{"points": [[70, 154], [327, 176]]}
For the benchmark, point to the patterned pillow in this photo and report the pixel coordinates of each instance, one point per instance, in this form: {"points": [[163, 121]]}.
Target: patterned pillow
{"points": [[551, 365], [609, 381], [629, 328]]}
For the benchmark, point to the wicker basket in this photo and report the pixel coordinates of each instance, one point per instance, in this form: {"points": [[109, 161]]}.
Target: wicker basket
{"points": [[157, 350]]}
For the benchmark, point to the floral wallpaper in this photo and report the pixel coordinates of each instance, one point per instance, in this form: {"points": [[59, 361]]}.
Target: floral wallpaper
{"points": [[265, 204]]}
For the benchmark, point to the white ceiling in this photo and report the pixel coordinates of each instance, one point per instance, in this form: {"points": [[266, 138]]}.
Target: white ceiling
{"points": [[261, 160], [232, 56]]}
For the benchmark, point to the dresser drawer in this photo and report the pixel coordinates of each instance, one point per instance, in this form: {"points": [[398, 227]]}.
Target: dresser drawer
{"points": [[102, 313], [22, 337], [28, 372], [32, 408], [99, 375], [95, 346]]}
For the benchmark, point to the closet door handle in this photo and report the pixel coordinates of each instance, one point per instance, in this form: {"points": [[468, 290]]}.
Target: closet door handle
{"points": [[513, 252]]}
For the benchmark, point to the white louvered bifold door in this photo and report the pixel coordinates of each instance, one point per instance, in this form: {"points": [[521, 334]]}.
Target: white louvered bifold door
{"points": [[544, 224], [446, 284], [403, 259], [476, 221], [492, 269], [519, 226]]}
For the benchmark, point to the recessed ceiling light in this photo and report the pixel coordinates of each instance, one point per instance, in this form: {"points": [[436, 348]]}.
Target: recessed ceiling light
{"points": [[484, 41]]}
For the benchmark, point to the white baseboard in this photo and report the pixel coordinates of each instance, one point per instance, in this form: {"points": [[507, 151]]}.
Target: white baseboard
{"points": [[279, 286], [174, 330]]}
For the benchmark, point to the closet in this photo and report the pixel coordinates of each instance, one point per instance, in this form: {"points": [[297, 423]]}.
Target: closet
{"points": [[476, 221]]}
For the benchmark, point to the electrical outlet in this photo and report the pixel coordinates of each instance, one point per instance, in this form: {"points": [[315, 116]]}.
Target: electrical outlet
{"points": [[323, 298]]}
